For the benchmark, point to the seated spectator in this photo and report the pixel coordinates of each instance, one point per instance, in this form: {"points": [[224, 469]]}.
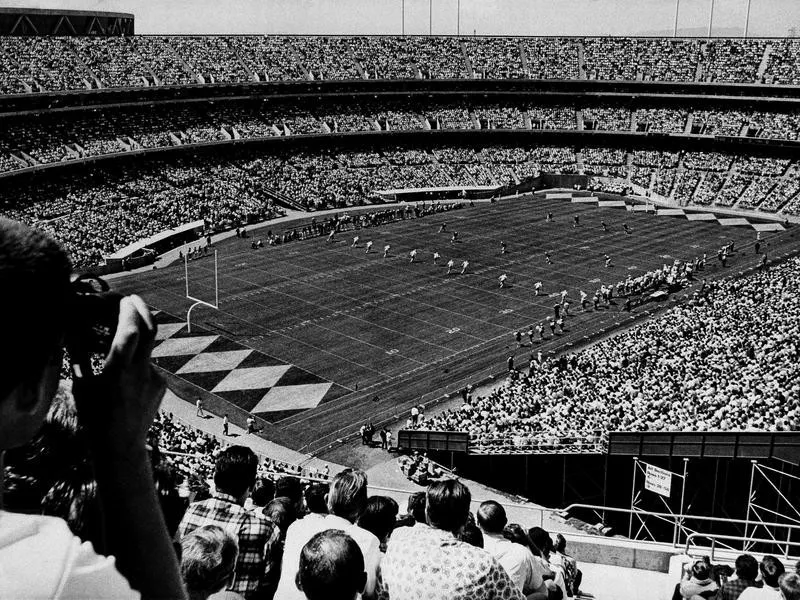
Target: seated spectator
{"points": [[746, 574], [542, 548], [416, 511], [314, 499], [516, 559], [40, 556], [263, 492], [572, 574], [379, 518], [789, 584], [421, 559], [471, 534], [331, 567], [289, 487], [697, 583], [282, 512], [208, 557], [347, 498], [258, 538], [771, 571]]}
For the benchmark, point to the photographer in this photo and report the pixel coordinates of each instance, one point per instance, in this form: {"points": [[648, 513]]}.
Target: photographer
{"points": [[40, 556]]}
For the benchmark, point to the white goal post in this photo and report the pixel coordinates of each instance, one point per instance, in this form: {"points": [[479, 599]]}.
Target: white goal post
{"points": [[198, 301]]}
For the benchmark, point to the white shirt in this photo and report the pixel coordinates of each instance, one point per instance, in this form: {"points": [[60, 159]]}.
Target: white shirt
{"points": [[517, 561], [41, 558], [300, 532], [762, 593]]}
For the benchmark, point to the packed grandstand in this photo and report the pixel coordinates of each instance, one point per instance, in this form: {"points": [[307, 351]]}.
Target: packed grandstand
{"points": [[724, 359]]}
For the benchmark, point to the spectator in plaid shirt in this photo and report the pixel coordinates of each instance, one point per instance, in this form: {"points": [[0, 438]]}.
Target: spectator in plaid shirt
{"points": [[258, 564], [746, 573]]}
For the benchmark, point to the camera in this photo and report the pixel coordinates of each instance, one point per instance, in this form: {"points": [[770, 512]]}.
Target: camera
{"points": [[93, 315]]}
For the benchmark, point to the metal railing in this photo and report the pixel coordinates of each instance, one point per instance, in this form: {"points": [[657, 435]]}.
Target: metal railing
{"points": [[541, 444], [678, 521], [746, 543]]}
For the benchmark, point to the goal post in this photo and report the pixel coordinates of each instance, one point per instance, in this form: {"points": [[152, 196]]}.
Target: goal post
{"points": [[197, 301]]}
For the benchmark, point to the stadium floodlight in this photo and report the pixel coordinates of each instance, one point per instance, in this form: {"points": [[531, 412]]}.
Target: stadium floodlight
{"points": [[711, 19], [198, 301], [747, 19]]}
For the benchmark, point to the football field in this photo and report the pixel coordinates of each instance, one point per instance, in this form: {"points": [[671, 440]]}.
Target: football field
{"points": [[314, 338]]}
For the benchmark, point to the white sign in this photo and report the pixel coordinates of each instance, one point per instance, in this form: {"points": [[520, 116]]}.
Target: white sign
{"points": [[658, 480]]}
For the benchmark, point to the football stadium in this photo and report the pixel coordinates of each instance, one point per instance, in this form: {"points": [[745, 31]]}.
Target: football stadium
{"points": [[365, 309]]}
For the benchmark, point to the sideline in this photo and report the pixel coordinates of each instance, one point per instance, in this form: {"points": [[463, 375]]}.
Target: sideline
{"points": [[186, 413], [291, 216]]}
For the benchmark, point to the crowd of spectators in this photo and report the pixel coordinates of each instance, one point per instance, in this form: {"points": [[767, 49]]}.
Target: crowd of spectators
{"points": [[603, 161], [752, 196], [550, 58], [552, 118], [641, 59], [58, 63], [608, 119], [717, 362], [50, 139], [499, 117], [731, 61], [326, 57], [708, 188], [249, 525], [94, 218], [785, 126], [495, 58], [707, 161], [730, 193], [750, 580], [784, 191], [784, 63], [661, 120]]}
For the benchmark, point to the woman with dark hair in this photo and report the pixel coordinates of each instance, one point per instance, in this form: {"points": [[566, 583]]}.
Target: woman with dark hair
{"points": [[379, 517], [515, 533], [697, 583], [559, 558], [541, 540]]}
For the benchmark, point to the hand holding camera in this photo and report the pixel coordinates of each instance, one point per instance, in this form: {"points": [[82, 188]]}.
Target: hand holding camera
{"points": [[118, 406]]}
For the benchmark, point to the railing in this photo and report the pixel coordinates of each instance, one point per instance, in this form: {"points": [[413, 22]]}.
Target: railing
{"points": [[746, 543], [678, 522], [542, 444]]}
